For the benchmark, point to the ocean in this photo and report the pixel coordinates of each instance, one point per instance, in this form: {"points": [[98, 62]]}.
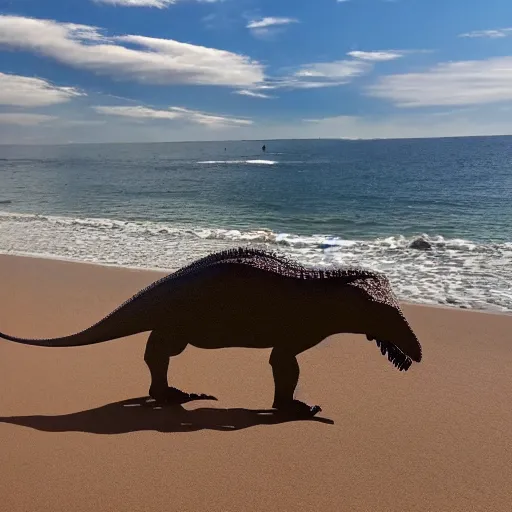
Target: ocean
{"points": [[434, 215]]}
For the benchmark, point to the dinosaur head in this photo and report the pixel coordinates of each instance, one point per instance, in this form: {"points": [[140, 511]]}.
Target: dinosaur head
{"points": [[377, 313], [393, 334]]}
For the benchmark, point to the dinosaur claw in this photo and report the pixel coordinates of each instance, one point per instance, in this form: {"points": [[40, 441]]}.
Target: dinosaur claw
{"points": [[298, 408], [202, 396], [173, 396], [315, 409]]}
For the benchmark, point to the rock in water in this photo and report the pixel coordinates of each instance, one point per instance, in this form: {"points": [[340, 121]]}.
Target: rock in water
{"points": [[420, 244]]}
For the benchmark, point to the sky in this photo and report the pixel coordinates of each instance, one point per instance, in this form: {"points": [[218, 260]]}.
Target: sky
{"points": [[173, 70]]}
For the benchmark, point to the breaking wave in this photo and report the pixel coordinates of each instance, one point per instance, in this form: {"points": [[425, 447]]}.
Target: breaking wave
{"points": [[425, 269], [250, 162]]}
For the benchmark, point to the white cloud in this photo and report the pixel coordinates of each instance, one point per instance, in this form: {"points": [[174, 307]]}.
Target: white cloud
{"points": [[323, 74], [270, 22], [330, 74], [376, 56], [455, 83], [340, 69], [24, 119], [137, 112], [173, 113], [492, 34], [27, 91], [210, 119], [252, 94], [160, 4], [313, 76], [158, 61], [267, 28]]}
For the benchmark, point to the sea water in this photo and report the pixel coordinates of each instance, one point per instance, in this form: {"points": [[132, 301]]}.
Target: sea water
{"points": [[324, 203]]}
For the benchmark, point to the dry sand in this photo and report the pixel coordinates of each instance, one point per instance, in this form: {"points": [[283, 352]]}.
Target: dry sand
{"points": [[437, 438]]}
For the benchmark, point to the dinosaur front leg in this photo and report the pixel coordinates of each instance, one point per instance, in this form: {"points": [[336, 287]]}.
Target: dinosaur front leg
{"points": [[285, 370], [157, 356]]}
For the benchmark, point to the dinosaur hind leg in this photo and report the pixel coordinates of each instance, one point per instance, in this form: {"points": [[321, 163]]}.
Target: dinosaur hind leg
{"points": [[285, 370], [157, 355]]}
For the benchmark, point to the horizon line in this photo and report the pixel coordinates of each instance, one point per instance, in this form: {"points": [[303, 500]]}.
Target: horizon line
{"points": [[341, 139]]}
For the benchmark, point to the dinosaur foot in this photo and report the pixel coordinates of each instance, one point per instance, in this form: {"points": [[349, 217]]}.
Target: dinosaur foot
{"points": [[297, 408], [174, 396]]}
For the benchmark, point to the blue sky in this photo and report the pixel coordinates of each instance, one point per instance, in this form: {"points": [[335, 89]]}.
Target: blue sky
{"points": [[163, 70]]}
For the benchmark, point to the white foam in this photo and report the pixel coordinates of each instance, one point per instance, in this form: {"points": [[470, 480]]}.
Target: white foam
{"points": [[240, 162], [213, 162], [453, 272], [261, 162]]}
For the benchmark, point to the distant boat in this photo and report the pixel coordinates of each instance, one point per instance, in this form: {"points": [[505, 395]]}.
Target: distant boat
{"points": [[264, 148]]}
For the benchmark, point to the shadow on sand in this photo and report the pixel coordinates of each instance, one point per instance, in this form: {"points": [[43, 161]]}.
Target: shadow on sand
{"points": [[139, 414]]}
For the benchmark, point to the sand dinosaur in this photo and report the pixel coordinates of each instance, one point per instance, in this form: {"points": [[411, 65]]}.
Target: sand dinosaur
{"points": [[254, 299]]}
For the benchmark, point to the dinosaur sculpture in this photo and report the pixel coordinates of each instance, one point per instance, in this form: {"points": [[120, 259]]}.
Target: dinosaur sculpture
{"points": [[254, 299]]}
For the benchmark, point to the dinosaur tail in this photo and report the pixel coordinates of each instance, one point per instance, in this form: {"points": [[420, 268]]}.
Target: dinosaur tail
{"points": [[128, 319], [73, 340]]}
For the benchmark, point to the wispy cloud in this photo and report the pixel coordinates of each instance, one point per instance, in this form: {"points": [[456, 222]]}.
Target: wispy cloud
{"points": [[455, 83], [334, 73], [137, 112], [173, 113], [270, 22], [253, 94], [24, 119], [159, 4], [340, 69], [492, 34], [25, 91], [327, 74], [377, 56], [156, 61], [313, 76], [266, 28]]}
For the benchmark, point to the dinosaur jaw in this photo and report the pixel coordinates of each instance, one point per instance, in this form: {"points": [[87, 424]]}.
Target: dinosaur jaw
{"points": [[395, 356]]}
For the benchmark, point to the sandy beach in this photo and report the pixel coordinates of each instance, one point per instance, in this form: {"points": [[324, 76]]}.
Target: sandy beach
{"points": [[77, 435]]}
